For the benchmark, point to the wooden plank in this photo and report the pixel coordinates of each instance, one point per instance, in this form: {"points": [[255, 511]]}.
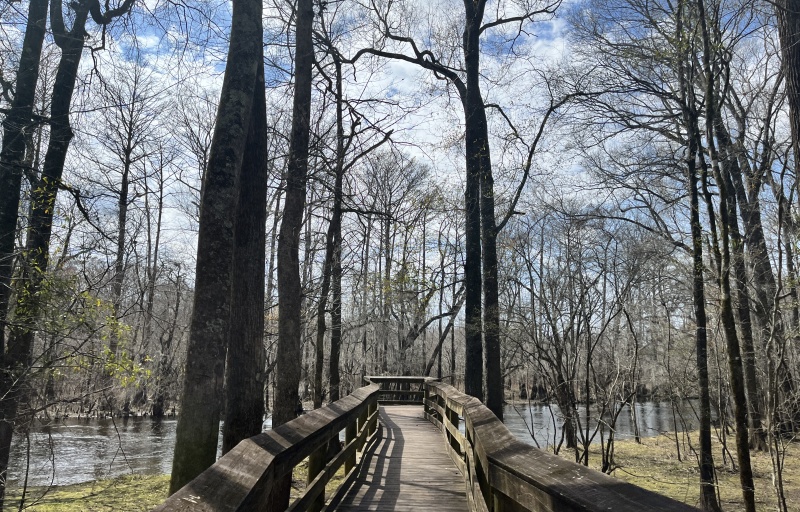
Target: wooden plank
{"points": [[410, 469]]}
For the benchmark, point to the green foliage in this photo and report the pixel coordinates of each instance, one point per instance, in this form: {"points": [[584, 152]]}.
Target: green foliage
{"points": [[76, 330]]}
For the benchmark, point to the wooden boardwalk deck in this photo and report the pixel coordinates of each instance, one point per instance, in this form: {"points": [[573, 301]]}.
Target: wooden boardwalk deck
{"points": [[409, 470]]}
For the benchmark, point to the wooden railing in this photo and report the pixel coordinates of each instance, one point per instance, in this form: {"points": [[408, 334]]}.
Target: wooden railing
{"points": [[243, 479], [501, 473], [504, 474], [399, 390]]}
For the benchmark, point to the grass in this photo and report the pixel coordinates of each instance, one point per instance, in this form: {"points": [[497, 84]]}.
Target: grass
{"points": [[654, 465], [129, 493]]}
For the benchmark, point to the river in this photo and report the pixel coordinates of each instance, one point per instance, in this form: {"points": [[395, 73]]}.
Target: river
{"points": [[79, 450]]}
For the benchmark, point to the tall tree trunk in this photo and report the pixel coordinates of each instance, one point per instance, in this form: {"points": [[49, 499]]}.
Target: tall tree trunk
{"points": [[686, 75], [476, 156], [119, 257], [334, 376], [109, 400], [290, 328], [19, 352], [729, 167], [479, 163], [332, 254], [336, 270], [16, 125], [788, 12], [201, 399], [289, 290], [153, 245], [708, 497], [726, 304], [245, 364]]}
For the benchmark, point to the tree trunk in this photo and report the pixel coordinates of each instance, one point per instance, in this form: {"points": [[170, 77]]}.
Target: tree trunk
{"points": [[334, 377], [789, 32], [708, 498], [201, 400], [336, 277], [153, 245], [19, 352], [164, 363], [289, 289], [244, 388], [15, 126], [686, 74], [476, 156], [729, 168], [726, 305]]}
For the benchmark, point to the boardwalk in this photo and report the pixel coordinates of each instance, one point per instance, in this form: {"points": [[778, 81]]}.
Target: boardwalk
{"points": [[407, 465], [409, 470]]}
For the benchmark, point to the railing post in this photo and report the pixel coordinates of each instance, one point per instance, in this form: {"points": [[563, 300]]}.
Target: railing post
{"points": [[426, 393], [452, 417], [362, 424], [316, 463], [349, 435], [497, 502], [373, 423]]}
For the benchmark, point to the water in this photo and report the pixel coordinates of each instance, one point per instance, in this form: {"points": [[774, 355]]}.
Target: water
{"points": [[527, 421], [80, 450]]}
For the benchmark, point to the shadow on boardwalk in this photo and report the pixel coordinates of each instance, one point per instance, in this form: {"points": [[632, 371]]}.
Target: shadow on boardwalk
{"points": [[409, 470]]}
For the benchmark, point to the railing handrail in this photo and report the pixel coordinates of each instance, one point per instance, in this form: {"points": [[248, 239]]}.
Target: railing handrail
{"points": [[400, 389], [412, 379], [504, 473], [244, 477]]}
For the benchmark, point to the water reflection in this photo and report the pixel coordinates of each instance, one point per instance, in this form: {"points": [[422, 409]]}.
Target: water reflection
{"points": [[79, 450], [543, 422]]}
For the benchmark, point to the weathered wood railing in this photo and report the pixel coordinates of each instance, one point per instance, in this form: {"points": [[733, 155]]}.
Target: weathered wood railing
{"points": [[504, 474], [243, 479], [399, 390]]}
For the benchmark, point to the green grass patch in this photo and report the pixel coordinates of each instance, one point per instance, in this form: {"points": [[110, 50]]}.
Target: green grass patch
{"points": [[129, 493]]}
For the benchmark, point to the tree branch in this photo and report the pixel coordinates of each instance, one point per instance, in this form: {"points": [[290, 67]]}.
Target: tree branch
{"points": [[531, 151], [105, 19]]}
